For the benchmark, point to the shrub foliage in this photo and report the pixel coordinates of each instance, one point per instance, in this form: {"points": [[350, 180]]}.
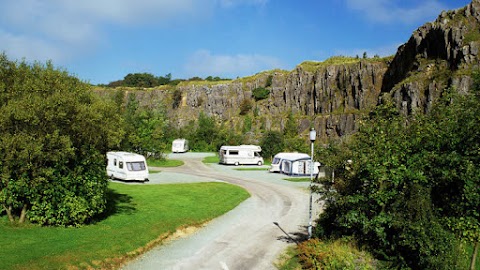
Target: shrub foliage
{"points": [[54, 133], [332, 255], [260, 93], [407, 187]]}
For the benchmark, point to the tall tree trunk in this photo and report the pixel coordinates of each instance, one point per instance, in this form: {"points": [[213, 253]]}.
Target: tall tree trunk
{"points": [[23, 214], [474, 256], [9, 213]]}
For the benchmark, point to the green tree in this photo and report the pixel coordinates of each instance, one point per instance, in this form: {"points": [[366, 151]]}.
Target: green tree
{"points": [[164, 80], [382, 195], [247, 124], [207, 135], [272, 143], [54, 133], [146, 128], [455, 158], [140, 80], [291, 128], [260, 93]]}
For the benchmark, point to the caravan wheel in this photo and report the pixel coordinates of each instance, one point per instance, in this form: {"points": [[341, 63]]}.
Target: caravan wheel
{"points": [[236, 163], [259, 163]]}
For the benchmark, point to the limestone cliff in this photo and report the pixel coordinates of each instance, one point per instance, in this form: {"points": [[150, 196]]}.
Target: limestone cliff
{"points": [[332, 95], [438, 55], [329, 97]]}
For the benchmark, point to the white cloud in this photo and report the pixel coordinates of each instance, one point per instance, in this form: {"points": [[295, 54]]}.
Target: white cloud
{"points": [[30, 48], [54, 29], [388, 11], [134, 11], [59, 29], [203, 63]]}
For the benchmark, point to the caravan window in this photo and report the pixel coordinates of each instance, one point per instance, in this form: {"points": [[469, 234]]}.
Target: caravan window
{"points": [[114, 162], [276, 160], [257, 154], [136, 166], [233, 152]]}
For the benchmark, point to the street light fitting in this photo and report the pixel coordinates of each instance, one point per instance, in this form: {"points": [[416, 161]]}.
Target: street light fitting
{"points": [[313, 135]]}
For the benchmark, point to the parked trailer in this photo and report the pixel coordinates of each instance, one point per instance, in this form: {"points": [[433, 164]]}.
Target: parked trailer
{"points": [[179, 146], [240, 155], [278, 158], [127, 166], [299, 167]]}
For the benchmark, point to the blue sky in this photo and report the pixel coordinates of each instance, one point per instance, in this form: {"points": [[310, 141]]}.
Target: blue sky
{"points": [[103, 40]]}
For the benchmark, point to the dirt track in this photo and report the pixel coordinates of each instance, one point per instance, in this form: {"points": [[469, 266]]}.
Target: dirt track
{"points": [[251, 236]]}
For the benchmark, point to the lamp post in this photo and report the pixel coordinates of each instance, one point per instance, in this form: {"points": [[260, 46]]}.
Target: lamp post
{"points": [[313, 135]]}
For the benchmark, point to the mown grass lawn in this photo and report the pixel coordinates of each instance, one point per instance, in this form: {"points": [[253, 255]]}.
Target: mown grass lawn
{"points": [[138, 217], [164, 162], [216, 159], [211, 159], [297, 179]]}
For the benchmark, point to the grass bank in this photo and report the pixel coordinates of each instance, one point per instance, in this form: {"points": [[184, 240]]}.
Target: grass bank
{"points": [[297, 179], [339, 254], [164, 163], [139, 216], [211, 159]]}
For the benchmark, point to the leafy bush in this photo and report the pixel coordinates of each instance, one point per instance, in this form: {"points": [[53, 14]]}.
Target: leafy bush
{"points": [[260, 93], [340, 254], [272, 143], [405, 181], [54, 133]]}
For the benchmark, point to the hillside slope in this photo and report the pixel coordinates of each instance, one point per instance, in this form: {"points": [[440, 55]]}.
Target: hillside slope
{"points": [[438, 55], [332, 95]]}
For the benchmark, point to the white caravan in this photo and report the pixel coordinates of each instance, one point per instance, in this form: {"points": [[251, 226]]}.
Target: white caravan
{"points": [[299, 167], [278, 158], [240, 155], [179, 146], [127, 166]]}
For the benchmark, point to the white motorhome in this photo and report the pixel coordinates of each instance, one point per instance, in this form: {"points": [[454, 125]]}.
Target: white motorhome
{"points": [[127, 166], [278, 158], [179, 146], [240, 155]]}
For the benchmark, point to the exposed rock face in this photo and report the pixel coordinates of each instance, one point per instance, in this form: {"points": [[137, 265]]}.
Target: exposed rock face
{"points": [[429, 62], [331, 98]]}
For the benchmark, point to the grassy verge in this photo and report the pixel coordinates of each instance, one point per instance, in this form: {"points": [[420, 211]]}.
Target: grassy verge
{"points": [[333, 255], [469, 252], [216, 159], [164, 163], [297, 179], [289, 260], [211, 159], [139, 216], [251, 169], [317, 254]]}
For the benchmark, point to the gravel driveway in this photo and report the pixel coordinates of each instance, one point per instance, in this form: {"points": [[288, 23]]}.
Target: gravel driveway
{"points": [[251, 236]]}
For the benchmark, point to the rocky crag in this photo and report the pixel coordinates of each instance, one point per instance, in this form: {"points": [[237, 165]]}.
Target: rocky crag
{"points": [[438, 55], [332, 95]]}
